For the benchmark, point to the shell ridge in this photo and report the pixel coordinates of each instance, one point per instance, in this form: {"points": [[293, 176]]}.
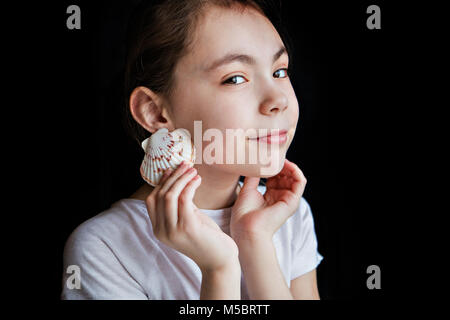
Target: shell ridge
{"points": [[163, 150]]}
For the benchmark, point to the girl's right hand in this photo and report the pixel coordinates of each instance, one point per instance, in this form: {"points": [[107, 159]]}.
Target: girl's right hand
{"points": [[178, 223]]}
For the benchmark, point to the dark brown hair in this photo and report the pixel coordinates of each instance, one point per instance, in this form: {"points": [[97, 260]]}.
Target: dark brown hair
{"points": [[160, 33]]}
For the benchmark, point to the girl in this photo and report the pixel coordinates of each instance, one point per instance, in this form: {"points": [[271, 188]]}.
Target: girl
{"points": [[202, 233]]}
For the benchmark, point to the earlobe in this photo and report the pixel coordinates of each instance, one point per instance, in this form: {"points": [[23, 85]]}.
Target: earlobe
{"points": [[145, 107]]}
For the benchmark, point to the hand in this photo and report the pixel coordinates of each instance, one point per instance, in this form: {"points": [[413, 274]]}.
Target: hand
{"points": [[178, 223], [256, 216]]}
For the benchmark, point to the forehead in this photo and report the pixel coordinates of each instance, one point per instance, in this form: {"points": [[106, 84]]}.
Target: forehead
{"points": [[221, 30]]}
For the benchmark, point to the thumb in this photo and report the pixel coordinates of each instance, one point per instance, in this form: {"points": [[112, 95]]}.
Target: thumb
{"points": [[250, 183]]}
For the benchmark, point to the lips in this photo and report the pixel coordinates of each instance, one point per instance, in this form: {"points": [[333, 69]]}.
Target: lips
{"points": [[270, 134], [280, 133], [276, 137]]}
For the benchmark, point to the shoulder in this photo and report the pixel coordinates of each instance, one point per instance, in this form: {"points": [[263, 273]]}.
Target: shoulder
{"points": [[100, 232], [106, 250]]}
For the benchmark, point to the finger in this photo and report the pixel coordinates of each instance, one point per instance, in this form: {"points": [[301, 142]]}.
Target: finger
{"points": [[293, 171], [164, 177], [250, 183], [150, 201], [157, 188], [285, 173], [285, 210], [299, 180], [298, 188], [172, 198], [290, 177], [161, 212], [185, 201], [174, 176], [274, 183], [286, 170], [280, 181], [299, 176]]}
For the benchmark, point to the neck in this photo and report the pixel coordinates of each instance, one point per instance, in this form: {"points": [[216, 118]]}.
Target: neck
{"points": [[217, 190]]}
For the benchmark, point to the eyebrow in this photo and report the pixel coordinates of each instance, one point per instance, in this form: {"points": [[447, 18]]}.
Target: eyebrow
{"points": [[230, 57]]}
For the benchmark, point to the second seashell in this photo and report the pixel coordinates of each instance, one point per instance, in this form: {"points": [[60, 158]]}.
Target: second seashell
{"points": [[164, 150]]}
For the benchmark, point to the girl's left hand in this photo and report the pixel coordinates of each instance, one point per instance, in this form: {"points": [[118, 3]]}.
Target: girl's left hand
{"points": [[256, 216]]}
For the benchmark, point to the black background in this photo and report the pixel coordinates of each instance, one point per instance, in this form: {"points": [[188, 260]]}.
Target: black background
{"points": [[346, 79]]}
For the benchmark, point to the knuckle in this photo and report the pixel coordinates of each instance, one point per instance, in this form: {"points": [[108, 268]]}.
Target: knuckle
{"points": [[160, 194], [168, 196], [183, 199]]}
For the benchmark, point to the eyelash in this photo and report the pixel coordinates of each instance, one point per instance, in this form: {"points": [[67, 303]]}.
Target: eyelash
{"points": [[287, 70]]}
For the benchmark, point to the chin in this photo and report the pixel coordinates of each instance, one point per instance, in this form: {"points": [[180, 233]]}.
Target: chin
{"points": [[264, 170], [269, 171], [272, 165]]}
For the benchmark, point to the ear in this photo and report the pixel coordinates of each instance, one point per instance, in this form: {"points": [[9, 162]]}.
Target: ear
{"points": [[146, 108]]}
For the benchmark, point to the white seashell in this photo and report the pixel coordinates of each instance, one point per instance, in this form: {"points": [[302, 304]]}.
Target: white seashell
{"points": [[164, 150]]}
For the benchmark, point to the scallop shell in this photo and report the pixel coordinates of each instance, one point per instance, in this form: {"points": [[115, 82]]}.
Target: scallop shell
{"points": [[163, 150]]}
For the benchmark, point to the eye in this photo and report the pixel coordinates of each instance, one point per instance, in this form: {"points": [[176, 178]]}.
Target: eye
{"points": [[285, 71], [233, 80]]}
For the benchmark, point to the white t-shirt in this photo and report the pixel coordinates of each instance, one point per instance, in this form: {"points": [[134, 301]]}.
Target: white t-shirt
{"points": [[119, 257]]}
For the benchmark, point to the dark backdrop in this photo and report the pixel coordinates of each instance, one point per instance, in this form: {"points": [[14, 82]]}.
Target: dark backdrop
{"points": [[343, 76]]}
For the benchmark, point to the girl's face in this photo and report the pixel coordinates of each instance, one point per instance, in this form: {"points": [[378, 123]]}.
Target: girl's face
{"points": [[248, 90]]}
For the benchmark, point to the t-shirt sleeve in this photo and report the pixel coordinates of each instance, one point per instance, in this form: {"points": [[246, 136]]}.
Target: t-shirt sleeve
{"points": [[101, 275], [305, 256]]}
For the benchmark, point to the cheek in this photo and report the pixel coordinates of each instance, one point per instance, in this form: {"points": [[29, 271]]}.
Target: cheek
{"points": [[222, 112], [193, 112], [295, 113]]}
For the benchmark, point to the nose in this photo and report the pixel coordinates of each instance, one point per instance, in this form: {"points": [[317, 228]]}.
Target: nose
{"points": [[274, 103]]}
